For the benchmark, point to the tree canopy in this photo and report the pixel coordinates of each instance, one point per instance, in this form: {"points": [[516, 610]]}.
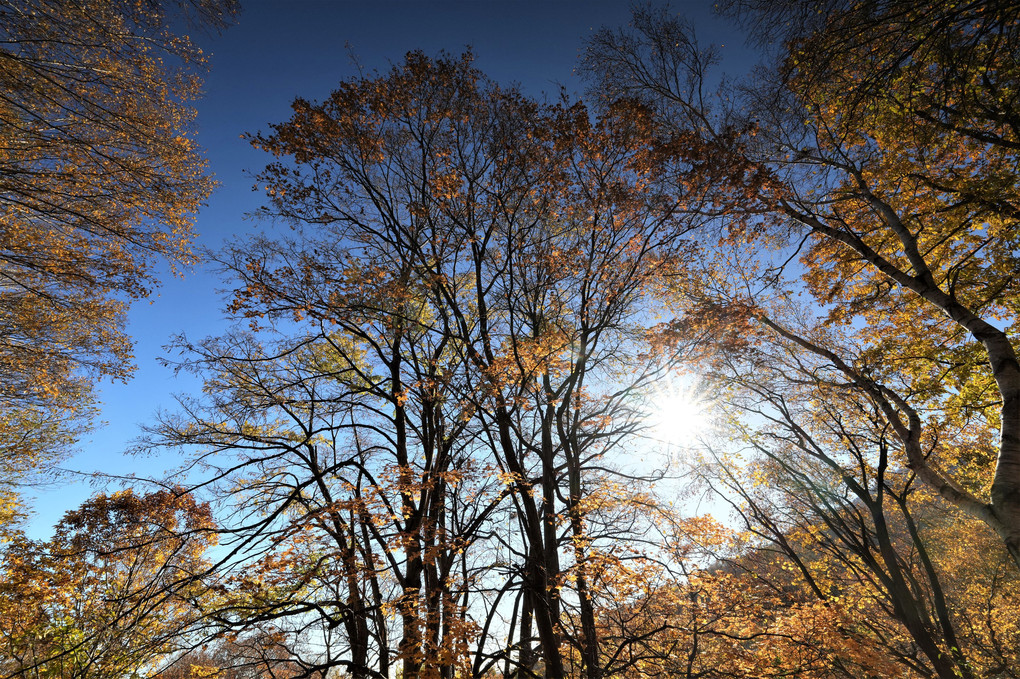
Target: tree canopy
{"points": [[425, 448], [866, 153], [99, 180]]}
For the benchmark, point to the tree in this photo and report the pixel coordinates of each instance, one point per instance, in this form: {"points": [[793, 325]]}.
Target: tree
{"points": [[98, 180], [861, 533], [883, 153], [112, 594], [351, 430], [459, 342], [257, 656], [536, 245]]}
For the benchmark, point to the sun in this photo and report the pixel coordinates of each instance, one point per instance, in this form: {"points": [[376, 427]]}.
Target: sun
{"points": [[679, 415]]}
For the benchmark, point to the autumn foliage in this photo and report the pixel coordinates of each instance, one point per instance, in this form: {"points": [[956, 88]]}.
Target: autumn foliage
{"points": [[424, 449], [99, 181], [111, 594]]}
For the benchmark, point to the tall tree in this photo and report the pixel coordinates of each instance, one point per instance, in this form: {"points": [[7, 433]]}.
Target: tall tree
{"points": [[468, 289], [354, 430], [99, 179], [826, 493], [882, 151]]}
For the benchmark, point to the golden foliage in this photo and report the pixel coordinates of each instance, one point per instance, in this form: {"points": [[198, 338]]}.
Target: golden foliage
{"points": [[99, 179]]}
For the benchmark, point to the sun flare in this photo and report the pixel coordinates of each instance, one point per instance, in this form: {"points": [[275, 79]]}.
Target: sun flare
{"points": [[679, 415]]}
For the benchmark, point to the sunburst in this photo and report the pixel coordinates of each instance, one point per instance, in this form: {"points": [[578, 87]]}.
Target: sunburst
{"points": [[679, 414]]}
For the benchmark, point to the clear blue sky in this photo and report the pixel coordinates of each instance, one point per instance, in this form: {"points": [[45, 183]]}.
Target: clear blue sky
{"points": [[282, 49]]}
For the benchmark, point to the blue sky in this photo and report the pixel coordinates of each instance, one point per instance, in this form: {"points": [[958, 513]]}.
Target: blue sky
{"points": [[282, 49]]}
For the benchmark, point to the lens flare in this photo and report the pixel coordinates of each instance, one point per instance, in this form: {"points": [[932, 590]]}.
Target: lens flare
{"points": [[679, 415]]}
